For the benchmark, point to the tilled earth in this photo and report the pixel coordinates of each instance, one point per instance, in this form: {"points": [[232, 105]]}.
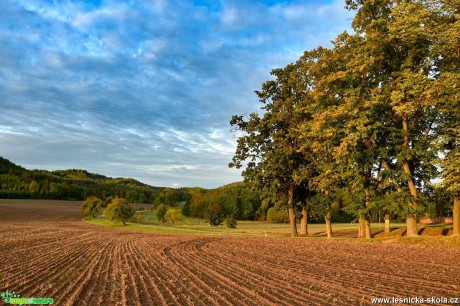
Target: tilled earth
{"points": [[46, 251]]}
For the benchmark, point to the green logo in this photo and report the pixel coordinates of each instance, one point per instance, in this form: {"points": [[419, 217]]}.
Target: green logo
{"points": [[11, 297]]}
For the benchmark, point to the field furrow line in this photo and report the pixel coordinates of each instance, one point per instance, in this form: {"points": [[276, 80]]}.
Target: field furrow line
{"points": [[231, 285], [331, 269], [149, 277], [72, 291], [360, 274], [24, 255], [40, 267], [171, 279], [62, 269], [202, 291], [290, 283], [91, 290]]}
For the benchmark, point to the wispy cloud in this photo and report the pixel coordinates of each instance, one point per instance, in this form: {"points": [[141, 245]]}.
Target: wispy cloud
{"points": [[144, 89]]}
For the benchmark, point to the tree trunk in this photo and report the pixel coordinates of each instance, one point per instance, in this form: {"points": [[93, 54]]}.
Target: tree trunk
{"points": [[291, 211], [456, 217], [411, 223], [361, 226], [411, 220], [304, 221], [367, 226], [387, 223], [367, 218], [327, 217]]}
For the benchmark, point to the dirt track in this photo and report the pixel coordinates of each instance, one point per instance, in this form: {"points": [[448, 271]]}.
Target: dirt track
{"points": [[47, 252]]}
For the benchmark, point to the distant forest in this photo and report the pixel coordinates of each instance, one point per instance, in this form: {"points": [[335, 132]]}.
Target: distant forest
{"points": [[235, 199]]}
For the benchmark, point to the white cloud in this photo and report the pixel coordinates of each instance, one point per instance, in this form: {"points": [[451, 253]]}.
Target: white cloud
{"points": [[143, 89], [229, 16]]}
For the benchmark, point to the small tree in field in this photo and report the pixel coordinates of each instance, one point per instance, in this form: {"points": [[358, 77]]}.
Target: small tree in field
{"points": [[119, 210], [230, 221], [173, 214], [91, 206], [160, 212], [214, 214]]}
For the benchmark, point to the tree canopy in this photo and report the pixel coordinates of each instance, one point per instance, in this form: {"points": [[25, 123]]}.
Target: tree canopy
{"points": [[376, 116]]}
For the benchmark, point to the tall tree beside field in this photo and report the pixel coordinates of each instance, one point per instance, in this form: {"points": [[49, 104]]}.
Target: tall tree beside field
{"points": [[321, 134], [372, 114], [446, 92], [398, 40], [354, 123], [271, 142]]}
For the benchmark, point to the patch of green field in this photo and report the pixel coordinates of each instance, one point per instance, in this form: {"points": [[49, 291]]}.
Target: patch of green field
{"points": [[188, 225], [264, 229], [139, 227]]}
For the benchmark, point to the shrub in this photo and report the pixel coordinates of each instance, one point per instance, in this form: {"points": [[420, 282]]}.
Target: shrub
{"points": [[160, 212], [91, 206], [214, 214], [277, 216], [119, 210], [230, 221], [173, 215]]}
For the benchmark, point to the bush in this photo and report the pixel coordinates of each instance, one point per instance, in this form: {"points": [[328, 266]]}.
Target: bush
{"points": [[214, 215], [91, 206], [160, 212], [230, 221], [277, 216], [119, 210], [173, 215]]}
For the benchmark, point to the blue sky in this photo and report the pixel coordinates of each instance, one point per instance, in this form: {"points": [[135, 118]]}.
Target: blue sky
{"points": [[144, 88]]}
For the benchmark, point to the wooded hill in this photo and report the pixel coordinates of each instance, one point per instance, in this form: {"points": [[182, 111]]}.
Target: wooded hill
{"points": [[234, 199], [18, 182]]}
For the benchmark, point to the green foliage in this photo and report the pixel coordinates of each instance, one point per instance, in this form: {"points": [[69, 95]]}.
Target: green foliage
{"points": [[91, 206], [369, 116], [119, 210], [214, 214], [230, 221], [170, 197], [235, 199], [18, 182], [172, 215], [275, 215], [160, 212], [270, 146], [34, 187]]}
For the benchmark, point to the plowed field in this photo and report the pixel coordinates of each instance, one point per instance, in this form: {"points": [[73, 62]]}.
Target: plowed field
{"points": [[45, 251]]}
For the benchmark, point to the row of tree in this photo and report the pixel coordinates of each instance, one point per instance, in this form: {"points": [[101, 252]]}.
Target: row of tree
{"points": [[376, 116]]}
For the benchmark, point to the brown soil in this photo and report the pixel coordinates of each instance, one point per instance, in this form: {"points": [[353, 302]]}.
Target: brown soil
{"points": [[47, 252]]}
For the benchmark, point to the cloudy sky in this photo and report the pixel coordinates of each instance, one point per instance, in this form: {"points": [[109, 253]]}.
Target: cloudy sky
{"points": [[144, 88]]}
